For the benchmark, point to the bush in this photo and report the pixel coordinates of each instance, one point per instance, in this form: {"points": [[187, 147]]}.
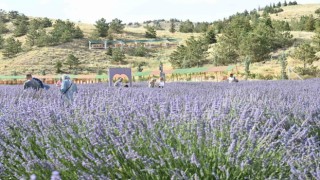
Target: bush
{"points": [[310, 71]]}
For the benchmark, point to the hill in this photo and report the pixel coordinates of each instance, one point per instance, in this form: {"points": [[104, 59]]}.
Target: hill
{"points": [[41, 60]]}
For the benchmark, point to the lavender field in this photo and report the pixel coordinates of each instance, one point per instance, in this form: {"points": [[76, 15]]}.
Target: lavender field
{"points": [[247, 130]]}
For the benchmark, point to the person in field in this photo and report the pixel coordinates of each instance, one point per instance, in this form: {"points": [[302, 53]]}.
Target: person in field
{"points": [[41, 84], [58, 84], [31, 83], [161, 82], [68, 88], [152, 83], [232, 78], [118, 83]]}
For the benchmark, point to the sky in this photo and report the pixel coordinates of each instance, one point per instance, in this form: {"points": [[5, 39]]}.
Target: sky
{"points": [[136, 10]]}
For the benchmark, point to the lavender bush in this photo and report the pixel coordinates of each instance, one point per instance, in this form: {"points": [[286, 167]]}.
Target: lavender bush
{"points": [[247, 130]]}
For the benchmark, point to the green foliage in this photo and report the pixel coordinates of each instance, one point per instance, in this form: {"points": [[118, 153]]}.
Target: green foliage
{"points": [[46, 22], [247, 63], [3, 16], [240, 38], [78, 34], [58, 66], [284, 63], [317, 11], [190, 55], [201, 27], [72, 61], [186, 27], [316, 40], [305, 23], [109, 51], [305, 53], [12, 47], [281, 25], [13, 15], [151, 32], [172, 26], [116, 26], [118, 55], [312, 71], [2, 41], [102, 27], [139, 68], [310, 24], [43, 39], [3, 27], [139, 51], [21, 25], [210, 36], [271, 10], [64, 31]]}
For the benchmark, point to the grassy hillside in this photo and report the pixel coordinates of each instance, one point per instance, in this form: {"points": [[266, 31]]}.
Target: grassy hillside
{"points": [[36, 60]]}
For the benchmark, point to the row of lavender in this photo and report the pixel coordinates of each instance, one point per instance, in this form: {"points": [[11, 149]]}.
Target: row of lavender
{"points": [[248, 130]]}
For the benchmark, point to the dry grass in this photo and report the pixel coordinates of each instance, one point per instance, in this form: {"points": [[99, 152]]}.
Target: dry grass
{"points": [[37, 59], [295, 12]]}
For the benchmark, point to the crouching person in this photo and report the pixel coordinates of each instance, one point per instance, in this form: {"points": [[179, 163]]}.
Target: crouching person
{"points": [[68, 88], [31, 83]]}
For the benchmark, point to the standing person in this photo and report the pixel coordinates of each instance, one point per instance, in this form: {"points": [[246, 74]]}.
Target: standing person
{"points": [[232, 78], [68, 88], [58, 84], [161, 82], [118, 83], [31, 83]]}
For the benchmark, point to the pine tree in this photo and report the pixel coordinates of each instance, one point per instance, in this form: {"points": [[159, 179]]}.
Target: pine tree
{"points": [[172, 26], [310, 24], [284, 63], [151, 32], [102, 27], [12, 47], [72, 61], [58, 67]]}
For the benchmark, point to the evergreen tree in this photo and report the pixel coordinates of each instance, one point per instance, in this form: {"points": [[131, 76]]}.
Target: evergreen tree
{"points": [[21, 25], [190, 55], [279, 4], [316, 40], [32, 36], [3, 27], [2, 41], [3, 16], [118, 55], [186, 27], [58, 67], [310, 24], [109, 51], [12, 47], [285, 3], [172, 26], [284, 63], [210, 36], [46, 22], [318, 12], [72, 61], [116, 26], [78, 34], [151, 32], [247, 63], [305, 53], [102, 27]]}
